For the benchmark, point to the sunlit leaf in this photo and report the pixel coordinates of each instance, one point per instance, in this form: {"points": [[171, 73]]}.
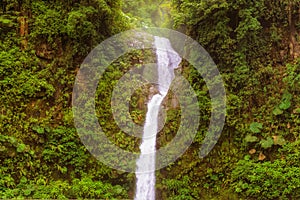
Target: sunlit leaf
{"points": [[266, 143], [277, 111], [286, 101], [255, 127], [285, 105], [251, 138], [21, 148], [278, 140]]}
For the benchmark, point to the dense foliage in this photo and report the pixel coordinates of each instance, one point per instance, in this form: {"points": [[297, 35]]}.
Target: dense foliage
{"points": [[42, 46], [255, 45]]}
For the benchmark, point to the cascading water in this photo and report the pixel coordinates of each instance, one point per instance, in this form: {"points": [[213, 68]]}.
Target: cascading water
{"points": [[167, 61]]}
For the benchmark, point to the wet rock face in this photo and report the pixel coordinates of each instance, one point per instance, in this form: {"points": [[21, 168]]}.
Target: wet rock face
{"points": [[174, 102], [169, 102], [152, 91]]}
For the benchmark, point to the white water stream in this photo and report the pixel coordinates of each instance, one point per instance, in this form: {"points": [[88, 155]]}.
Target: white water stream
{"points": [[167, 61]]}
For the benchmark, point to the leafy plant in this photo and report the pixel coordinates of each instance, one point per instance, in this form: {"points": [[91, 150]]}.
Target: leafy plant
{"points": [[267, 180], [266, 143], [251, 138], [256, 127]]}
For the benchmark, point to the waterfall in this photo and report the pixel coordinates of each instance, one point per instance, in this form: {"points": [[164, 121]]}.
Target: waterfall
{"points": [[167, 61]]}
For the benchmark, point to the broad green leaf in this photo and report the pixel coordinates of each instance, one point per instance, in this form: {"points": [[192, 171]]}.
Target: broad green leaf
{"points": [[266, 143], [27, 192], [286, 101], [6, 22], [285, 105], [251, 138], [13, 141], [287, 96], [23, 179], [279, 140], [297, 110], [21, 148], [255, 127], [2, 148], [38, 129], [277, 111]]}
